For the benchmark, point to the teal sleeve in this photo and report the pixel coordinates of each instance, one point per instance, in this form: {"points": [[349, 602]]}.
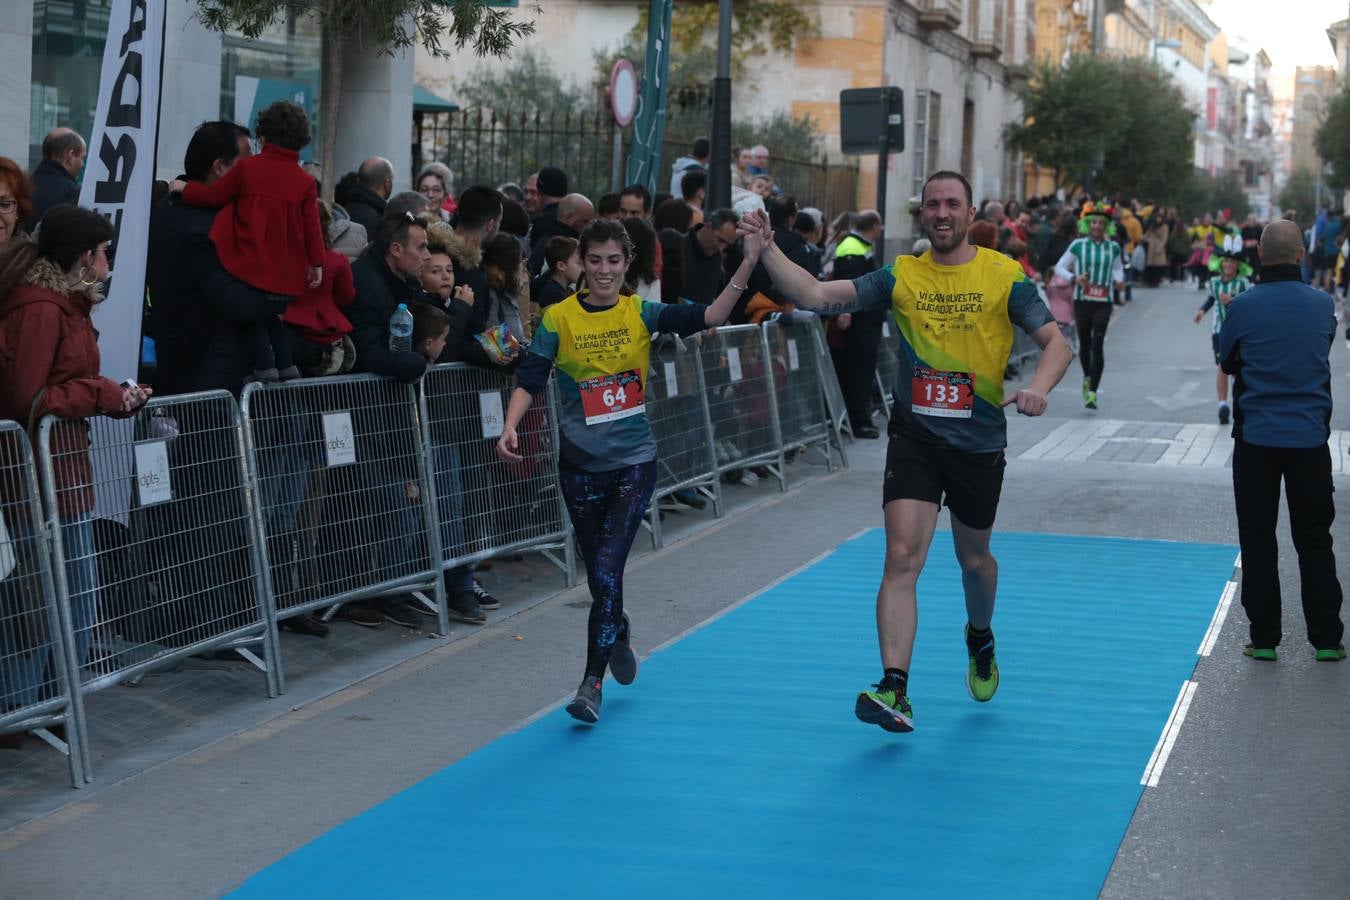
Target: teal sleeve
{"points": [[651, 315], [875, 288], [1026, 309], [545, 341]]}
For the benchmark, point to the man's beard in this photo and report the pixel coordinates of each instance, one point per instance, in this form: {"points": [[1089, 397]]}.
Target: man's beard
{"points": [[951, 241]]}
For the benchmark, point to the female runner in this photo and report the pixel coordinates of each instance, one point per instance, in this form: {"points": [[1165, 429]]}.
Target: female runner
{"points": [[600, 341]]}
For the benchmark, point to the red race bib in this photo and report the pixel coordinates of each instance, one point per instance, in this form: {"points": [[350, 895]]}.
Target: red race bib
{"points": [[609, 397], [1095, 292], [947, 394]]}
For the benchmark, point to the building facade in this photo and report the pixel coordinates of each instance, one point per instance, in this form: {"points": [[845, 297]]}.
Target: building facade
{"points": [[55, 57], [956, 61]]}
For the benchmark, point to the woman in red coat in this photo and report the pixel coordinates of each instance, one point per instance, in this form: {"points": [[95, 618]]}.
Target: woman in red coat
{"points": [[49, 364], [268, 233]]}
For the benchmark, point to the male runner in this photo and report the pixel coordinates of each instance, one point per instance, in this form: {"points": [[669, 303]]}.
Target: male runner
{"points": [[955, 306], [1094, 264], [1230, 282]]}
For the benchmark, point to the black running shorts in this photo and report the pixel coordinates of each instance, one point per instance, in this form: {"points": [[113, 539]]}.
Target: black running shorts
{"points": [[968, 483], [1215, 343]]}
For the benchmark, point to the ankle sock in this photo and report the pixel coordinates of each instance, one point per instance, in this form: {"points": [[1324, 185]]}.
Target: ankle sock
{"points": [[897, 678], [977, 637]]}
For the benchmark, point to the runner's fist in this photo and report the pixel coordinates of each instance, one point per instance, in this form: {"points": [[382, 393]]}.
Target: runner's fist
{"points": [[1029, 402]]}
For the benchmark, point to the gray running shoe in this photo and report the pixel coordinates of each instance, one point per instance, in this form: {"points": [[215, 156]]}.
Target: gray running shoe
{"points": [[623, 661], [586, 705]]}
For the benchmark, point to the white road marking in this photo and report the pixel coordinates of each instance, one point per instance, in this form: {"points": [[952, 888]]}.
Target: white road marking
{"points": [[1095, 441], [1163, 749], [1216, 622]]}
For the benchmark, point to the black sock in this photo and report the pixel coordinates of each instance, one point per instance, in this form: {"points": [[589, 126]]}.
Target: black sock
{"points": [[897, 677], [977, 637]]}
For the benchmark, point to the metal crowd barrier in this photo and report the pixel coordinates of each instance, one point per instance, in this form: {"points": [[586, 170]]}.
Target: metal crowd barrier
{"points": [[37, 664], [157, 560], [835, 407], [889, 360], [799, 388], [677, 407], [340, 476], [485, 507], [738, 375]]}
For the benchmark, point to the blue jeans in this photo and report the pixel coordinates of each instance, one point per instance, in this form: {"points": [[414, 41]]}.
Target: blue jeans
{"points": [[25, 670]]}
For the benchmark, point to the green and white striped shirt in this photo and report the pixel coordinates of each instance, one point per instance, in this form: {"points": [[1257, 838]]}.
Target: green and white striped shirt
{"points": [[1100, 261], [1217, 287]]}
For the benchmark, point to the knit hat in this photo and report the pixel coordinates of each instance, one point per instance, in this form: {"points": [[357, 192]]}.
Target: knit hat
{"points": [[552, 182]]}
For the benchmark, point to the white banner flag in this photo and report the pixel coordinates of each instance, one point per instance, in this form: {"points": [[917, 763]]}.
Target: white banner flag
{"points": [[120, 171]]}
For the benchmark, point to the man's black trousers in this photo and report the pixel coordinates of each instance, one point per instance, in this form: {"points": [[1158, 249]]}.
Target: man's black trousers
{"points": [[1306, 472]]}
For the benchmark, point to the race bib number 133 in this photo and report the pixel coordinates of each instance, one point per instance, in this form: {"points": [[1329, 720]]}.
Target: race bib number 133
{"points": [[950, 395], [606, 398]]}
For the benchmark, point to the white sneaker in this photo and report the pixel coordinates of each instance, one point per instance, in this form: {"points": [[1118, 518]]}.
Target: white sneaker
{"points": [[748, 478]]}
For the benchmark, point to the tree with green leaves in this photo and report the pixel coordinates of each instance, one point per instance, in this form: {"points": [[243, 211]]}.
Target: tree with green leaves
{"points": [[1333, 137], [1154, 150], [439, 26], [1124, 123], [1072, 116], [757, 28], [1299, 195]]}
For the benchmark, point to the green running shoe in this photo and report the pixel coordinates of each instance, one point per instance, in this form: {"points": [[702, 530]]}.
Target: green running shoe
{"points": [[885, 707], [1090, 399], [1331, 654], [1265, 654], [982, 672]]}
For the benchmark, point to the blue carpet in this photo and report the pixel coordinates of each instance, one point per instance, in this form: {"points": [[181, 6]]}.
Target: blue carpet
{"points": [[734, 766]]}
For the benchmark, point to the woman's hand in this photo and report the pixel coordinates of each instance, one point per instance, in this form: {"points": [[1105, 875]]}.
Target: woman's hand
{"points": [[752, 245], [508, 445], [134, 398]]}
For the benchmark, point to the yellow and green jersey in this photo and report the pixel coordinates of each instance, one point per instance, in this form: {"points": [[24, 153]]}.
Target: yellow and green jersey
{"points": [[601, 357], [956, 334]]}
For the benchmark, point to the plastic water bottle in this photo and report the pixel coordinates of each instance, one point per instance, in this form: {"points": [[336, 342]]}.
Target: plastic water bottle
{"points": [[401, 329]]}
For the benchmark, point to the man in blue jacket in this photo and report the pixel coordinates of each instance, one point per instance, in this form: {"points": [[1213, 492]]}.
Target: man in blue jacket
{"points": [[1276, 342]]}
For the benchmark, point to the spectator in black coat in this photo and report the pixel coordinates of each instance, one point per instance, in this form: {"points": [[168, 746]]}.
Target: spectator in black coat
{"points": [[63, 154], [386, 275], [574, 212], [202, 314], [550, 188], [702, 269], [365, 195]]}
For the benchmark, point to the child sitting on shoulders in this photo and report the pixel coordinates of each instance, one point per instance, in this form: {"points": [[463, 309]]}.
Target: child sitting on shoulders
{"points": [[267, 233]]}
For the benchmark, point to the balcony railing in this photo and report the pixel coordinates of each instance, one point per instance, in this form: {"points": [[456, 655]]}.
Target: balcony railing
{"points": [[940, 14]]}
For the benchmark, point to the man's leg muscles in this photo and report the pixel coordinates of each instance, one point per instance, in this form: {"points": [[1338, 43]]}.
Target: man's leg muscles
{"points": [[979, 571], [909, 532]]}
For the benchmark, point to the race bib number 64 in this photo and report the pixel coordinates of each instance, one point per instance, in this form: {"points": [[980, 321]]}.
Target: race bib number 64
{"points": [[606, 398], [950, 395]]}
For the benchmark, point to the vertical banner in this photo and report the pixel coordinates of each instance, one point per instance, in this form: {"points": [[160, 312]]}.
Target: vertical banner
{"points": [[120, 171], [649, 128]]}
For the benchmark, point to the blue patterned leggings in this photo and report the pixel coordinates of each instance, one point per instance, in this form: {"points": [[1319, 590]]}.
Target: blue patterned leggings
{"points": [[606, 509]]}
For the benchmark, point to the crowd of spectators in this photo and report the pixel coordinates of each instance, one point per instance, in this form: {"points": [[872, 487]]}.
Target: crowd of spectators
{"points": [[482, 259]]}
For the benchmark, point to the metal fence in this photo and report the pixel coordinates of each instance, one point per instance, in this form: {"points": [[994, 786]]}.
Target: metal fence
{"points": [[889, 360], [685, 456], [199, 524], [37, 664], [799, 393], [835, 406], [485, 147], [156, 560], [486, 507], [739, 378], [340, 480]]}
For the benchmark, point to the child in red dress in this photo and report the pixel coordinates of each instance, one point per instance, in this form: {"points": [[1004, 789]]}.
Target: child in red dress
{"points": [[267, 234]]}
